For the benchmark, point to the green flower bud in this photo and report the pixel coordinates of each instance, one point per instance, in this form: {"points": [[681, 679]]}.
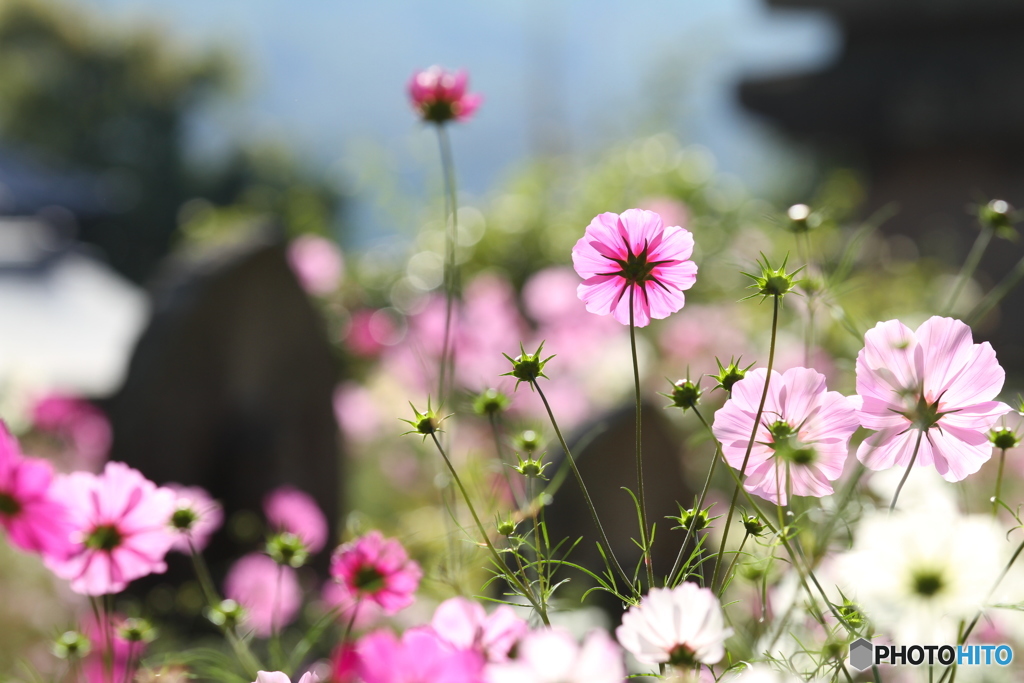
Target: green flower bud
{"points": [[685, 394], [693, 520], [71, 645], [527, 367], [528, 441], [136, 631], [1004, 438], [228, 614], [753, 525], [506, 527], [729, 374], [490, 402], [427, 423], [531, 468], [287, 549], [773, 281]]}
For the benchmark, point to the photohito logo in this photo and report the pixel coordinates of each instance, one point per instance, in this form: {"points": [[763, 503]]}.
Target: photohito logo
{"points": [[864, 655]]}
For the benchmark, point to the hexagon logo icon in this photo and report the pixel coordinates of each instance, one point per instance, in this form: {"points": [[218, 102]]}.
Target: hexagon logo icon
{"points": [[862, 653]]}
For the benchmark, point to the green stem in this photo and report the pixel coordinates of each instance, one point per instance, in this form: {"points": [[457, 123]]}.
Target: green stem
{"points": [[750, 443], [999, 481], [735, 558], [700, 501], [970, 264], [639, 458], [540, 550], [917, 447], [450, 270], [525, 590], [583, 487], [517, 499], [996, 294]]}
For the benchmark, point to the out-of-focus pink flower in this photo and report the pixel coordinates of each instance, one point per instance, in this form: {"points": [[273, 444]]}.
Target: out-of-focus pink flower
{"points": [[681, 626], [81, 424], [376, 568], [355, 412], [934, 382], [802, 440], [195, 519], [694, 340], [439, 96], [371, 331], [418, 657], [268, 591], [35, 519], [466, 626], [95, 667], [121, 530], [552, 656], [289, 509], [344, 664], [634, 257], [672, 211], [317, 263], [280, 677]]}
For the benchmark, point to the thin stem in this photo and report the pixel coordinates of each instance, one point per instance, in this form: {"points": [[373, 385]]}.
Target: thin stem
{"points": [[732, 565], [540, 550], [996, 294], [450, 271], [639, 458], [579, 480], [753, 435], [700, 501], [970, 264], [999, 482], [517, 499], [917, 447], [525, 590]]}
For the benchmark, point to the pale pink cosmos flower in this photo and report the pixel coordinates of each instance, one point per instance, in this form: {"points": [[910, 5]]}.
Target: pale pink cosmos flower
{"points": [[268, 591], [466, 626], [439, 95], [681, 626], [121, 530], [801, 442], [280, 677], [317, 263], [551, 655], [420, 656], [34, 519], [291, 510], [934, 382], [195, 519], [376, 568], [634, 257]]}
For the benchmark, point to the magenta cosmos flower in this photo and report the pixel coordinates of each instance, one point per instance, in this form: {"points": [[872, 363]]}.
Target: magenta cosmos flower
{"points": [[35, 519], [269, 592], [801, 443], [420, 656], [376, 568], [291, 510], [439, 96], [121, 528], [935, 383], [634, 257]]}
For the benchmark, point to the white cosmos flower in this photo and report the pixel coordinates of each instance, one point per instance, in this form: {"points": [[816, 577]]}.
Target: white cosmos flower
{"points": [[278, 677], [917, 575], [679, 626], [551, 655]]}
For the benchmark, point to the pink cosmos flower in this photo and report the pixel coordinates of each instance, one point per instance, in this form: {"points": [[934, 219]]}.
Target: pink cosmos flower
{"points": [[680, 626], [439, 96], [120, 524], [351, 608], [801, 444], [269, 592], [195, 519], [344, 664], [35, 519], [289, 509], [280, 677], [465, 625], [316, 262], [552, 656], [634, 257], [419, 657], [378, 569], [934, 382], [80, 424]]}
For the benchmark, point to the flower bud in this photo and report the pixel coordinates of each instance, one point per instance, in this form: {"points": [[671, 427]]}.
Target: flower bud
{"points": [[490, 402], [1004, 438], [71, 645], [691, 520], [136, 631], [527, 367], [685, 394], [729, 374], [531, 468], [287, 549], [528, 441], [753, 525], [506, 527], [800, 219], [772, 281], [426, 423], [228, 614]]}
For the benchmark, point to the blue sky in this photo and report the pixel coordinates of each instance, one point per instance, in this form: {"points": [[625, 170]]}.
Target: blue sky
{"points": [[328, 77]]}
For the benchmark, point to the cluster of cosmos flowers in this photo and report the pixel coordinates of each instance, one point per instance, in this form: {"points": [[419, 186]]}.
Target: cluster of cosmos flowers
{"points": [[927, 397]]}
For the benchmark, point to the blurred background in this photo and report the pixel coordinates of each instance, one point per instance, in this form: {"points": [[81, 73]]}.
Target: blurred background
{"points": [[221, 222]]}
